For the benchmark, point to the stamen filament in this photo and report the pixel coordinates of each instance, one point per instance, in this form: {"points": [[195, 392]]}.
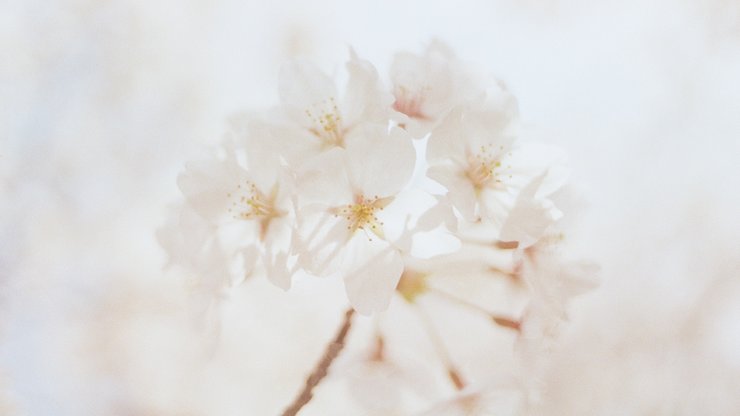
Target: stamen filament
{"points": [[497, 319], [452, 372]]}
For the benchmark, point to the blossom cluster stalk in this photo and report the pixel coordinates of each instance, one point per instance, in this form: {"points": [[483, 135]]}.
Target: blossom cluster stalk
{"points": [[322, 368]]}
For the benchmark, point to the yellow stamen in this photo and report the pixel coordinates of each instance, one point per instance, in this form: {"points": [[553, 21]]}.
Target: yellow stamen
{"points": [[250, 203], [361, 215], [482, 168], [327, 123]]}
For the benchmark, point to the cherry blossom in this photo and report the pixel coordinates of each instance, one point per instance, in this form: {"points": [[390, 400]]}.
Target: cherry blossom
{"points": [[426, 86], [474, 154], [313, 117], [346, 192], [251, 209]]}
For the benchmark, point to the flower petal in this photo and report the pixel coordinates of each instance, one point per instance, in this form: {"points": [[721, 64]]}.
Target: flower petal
{"points": [[461, 192], [371, 285], [206, 185], [304, 86], [365, 98], [530, 217], [323, 179], [448, 139], [380, 162]]}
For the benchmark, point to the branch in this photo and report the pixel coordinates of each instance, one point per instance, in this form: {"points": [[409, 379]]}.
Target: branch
{"points": [[318, 374]]}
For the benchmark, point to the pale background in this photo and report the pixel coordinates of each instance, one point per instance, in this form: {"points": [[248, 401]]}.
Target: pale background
{"points": [[101, 103]]}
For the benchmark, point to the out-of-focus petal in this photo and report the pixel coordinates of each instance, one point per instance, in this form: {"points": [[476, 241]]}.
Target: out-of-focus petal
{"points": [[304, 87], [530, 217], [207, 184], [365, 99], [370, 285], [448, 140]]}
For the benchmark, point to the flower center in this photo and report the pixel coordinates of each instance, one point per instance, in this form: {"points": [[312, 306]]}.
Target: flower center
{"points": [[409, 102], [412, 284], [361, 215], [250, 203], [482, 166], [326, 122]]}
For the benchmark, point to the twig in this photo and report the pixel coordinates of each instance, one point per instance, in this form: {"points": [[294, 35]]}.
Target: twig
{"points": [[331, 352]]}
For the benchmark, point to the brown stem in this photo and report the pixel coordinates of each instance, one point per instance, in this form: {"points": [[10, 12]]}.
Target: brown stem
{"points": [[318, 374]]}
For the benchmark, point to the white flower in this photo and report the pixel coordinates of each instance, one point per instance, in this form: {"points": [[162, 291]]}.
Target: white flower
{"points": [[344, 194], [250, 208], [313, 117], [426, 86], [472, 152], [469, 154]]}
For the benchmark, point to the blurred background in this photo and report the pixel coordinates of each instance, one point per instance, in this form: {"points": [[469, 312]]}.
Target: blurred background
{"points": [[102, 102]]}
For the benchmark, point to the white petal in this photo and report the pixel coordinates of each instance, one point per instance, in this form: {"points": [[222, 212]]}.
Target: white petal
{"points": [[371, 286], [185, 236], [403, 213], [250, 256], [365, 98], [423, 85], [377, 385], [441, 213], [427, 86], [380, 162], [269, 139], [530, 217], [206, 185], [323, 179], [449, 138], [470, 126], [490, 124], [277, 270], [303, 86], [461, 192], [528, 160], [321, 244]]}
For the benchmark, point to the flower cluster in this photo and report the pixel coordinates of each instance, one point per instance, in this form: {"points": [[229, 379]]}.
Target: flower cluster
{"points": [[397, 188], [357, 180]]}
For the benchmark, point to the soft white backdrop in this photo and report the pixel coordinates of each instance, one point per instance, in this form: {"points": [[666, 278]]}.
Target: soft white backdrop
{"points": [[102, 102]]}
